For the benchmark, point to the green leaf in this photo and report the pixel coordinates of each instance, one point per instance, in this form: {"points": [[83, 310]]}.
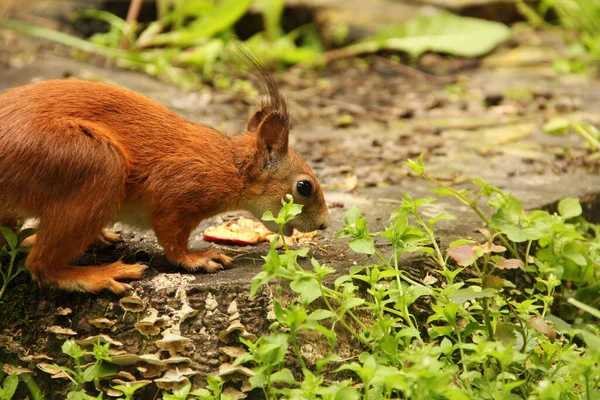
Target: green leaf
{"points": [[575, 251], [487, 189], [10, 236], [321, 362], [258, 381], [514, 233], [72, 349], [557, 126], [494, 282], [584, 307], [268, 216], [352, 215], [328, 333], [258, 280], [443, 192], [320, 314], [215, 384], [455, 394], [442, 33], [131, 387], [10, 386], [90, 373], [417, 166], [592, 340], [471, 293], [272, 349], [244, 358], [283, 376], [272, 11], [308, 288], [101, 351], [561, 325], [347, 393], [509, 207], [202, 393], [101, 370], [180, 393], [569, 208], [81, 395], [352, 302], [441, 217], [219, 18], [363, 245]]}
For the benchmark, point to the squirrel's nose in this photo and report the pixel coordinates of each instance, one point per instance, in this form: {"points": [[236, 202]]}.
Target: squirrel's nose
{"points": [[323, 226]]}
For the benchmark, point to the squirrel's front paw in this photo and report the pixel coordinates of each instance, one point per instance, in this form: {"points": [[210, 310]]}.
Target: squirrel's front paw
{"points": [[210, 261]]}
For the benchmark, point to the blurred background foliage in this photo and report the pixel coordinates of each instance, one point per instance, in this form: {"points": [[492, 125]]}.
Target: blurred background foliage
{"points": [[192, 41]]}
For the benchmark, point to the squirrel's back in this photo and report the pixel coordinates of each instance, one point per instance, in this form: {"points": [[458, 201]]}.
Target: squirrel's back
{"points": [[46, 103]]}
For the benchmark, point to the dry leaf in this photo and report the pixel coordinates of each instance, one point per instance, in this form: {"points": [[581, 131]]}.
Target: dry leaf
{"points": [[542, 327]]}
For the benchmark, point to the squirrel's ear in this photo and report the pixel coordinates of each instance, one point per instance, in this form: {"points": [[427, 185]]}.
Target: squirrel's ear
{"points": [[272, 137], [255, 121]]}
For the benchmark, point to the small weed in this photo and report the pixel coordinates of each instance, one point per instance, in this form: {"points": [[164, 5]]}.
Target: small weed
{"points": [[563, 126], [212, 391], [483, 336], [129, 388], [9, 387], [9, 382], [15, 265], [82, 374]]}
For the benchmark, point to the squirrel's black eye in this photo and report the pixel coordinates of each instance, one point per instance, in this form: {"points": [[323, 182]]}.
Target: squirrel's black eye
{"points": [[304, 188]]}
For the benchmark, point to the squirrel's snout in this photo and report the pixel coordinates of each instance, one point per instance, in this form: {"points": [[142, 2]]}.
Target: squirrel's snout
{"points": [[324, 226]]}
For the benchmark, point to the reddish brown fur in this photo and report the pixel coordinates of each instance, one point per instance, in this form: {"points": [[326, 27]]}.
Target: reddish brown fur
{"points": [[74, 152]]}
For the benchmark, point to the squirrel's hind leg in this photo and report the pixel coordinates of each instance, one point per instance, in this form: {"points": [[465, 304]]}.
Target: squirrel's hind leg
{"points": [[61, 237]]}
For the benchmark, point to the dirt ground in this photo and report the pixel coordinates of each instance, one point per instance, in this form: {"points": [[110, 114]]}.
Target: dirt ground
{"points": [[355, 122]]}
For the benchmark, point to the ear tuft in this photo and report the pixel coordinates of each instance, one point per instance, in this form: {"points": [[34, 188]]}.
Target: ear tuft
{"points": [[272, 137], [255, 120]]}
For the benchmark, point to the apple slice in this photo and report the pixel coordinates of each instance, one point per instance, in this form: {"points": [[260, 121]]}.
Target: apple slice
{"points": [[247, 231], [224, 234]]}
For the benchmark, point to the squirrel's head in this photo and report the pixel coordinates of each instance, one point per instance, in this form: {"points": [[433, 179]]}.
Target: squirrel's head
{"points": [[276, 170]]}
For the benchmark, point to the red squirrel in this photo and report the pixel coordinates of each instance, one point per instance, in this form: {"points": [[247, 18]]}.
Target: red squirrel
{"points": [[78, 154]]}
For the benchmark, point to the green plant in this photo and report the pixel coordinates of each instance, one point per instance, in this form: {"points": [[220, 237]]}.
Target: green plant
{"points": [[129, 388], [9, 387], [443, 33], [483, 336], [83, 374], [12, 249], [191, 41], [211, 392], [563, 126], [287, 213], [10, 376], [580, 16]]}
